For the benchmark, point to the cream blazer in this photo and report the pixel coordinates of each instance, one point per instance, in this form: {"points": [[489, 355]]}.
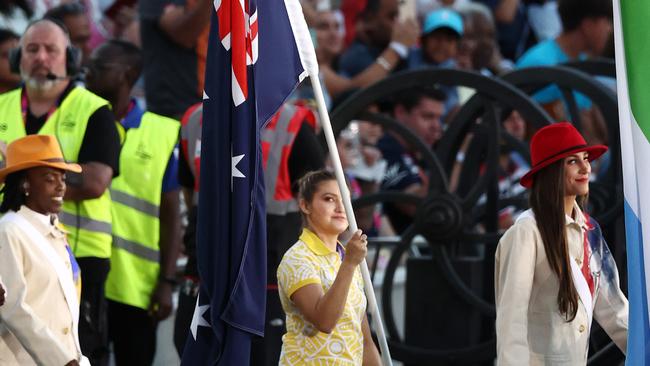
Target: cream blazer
{"points": [[529, 327], [36, 325]]}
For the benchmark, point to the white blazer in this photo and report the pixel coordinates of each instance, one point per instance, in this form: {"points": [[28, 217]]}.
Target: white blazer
{"points": [[38, 322], [529, 327]]}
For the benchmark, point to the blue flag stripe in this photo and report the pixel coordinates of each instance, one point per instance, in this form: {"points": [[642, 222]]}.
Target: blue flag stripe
{"points": [[638, 346]]}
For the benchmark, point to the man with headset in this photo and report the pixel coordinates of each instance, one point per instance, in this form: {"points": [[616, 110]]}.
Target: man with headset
{"points": [[49, 103]]}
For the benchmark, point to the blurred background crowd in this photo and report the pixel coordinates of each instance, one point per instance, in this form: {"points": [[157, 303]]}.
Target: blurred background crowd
{"points": [[151, 55]]}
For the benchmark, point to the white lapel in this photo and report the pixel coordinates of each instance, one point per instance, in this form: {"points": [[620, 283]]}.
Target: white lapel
{"points": [[64, 274], [579, 280], [583, 290]]}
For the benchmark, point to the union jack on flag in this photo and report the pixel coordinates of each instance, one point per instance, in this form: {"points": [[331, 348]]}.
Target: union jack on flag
{"points": [[238, 30], [255, 60]]}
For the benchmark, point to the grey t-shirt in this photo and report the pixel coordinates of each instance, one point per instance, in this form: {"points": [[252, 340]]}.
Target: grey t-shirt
{"points": [[170, 70]]}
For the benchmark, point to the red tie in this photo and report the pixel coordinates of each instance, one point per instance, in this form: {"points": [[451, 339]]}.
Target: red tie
{"points": [[585, 264]]}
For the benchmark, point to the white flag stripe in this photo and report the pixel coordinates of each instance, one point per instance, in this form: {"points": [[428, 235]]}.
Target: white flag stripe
{"points": [[226, 42], [303, 38], [625, 116], [237, 94]]}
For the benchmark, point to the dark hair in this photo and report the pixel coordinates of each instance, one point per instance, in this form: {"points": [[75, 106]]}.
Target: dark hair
{"points": [[308, 185], [7, 6], [547, 201], [13, 195], [127, 53], [372, 8], [61, 11], [412, 97], [7, 35], [573, 12]]}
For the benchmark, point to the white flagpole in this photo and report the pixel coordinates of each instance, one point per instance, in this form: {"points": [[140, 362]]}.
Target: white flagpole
{"points": [[310, 63], [347, 202]]}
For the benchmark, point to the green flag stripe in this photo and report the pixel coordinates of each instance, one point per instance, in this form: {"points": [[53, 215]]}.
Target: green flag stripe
{"points": [[635, 21]]}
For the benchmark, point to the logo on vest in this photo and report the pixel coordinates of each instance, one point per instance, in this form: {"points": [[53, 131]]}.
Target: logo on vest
{"points": [[68, 124], [4, 126], [142, 153]]}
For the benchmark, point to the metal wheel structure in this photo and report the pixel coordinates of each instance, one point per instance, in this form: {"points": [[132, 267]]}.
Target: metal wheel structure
{"points": [[448, 220], [606, 194], [456, 219]]}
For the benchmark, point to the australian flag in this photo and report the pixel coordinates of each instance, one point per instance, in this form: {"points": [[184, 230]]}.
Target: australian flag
{"points": [[254, 62]]}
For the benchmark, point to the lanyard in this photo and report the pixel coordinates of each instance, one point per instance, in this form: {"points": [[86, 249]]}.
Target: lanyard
{"points": [[24, 105]]}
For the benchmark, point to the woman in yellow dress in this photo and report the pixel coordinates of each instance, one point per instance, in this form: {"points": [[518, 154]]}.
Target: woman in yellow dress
{"points": [[320, 285]]}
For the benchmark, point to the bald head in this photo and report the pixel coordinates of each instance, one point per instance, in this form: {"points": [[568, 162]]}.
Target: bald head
{"points": [[43, 52], [39, 27]]}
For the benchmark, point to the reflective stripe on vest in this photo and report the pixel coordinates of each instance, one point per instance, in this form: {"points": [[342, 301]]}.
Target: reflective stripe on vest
{"points": [[136, 249], [136, 196], [135, 203], [89, 233], [277, 140], [191, 144], [84, 223]]}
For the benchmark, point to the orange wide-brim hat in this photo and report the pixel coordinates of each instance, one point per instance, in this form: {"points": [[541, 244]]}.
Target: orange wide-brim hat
{"points": [[554, 142], [33, 151]]}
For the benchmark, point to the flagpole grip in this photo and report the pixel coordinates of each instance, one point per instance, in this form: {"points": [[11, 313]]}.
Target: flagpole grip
{"points": [[347, 202]]}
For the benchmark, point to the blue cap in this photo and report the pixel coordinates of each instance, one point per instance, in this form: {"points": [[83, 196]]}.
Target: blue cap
{"points": [[443, 18]]}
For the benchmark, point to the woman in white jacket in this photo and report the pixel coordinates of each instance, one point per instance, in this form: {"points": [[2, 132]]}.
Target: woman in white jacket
{"points": [[38, 322], [553, 270]]}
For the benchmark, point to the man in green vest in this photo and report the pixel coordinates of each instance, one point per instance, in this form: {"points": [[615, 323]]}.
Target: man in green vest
{"points": [[49, 103], [145, 210]]}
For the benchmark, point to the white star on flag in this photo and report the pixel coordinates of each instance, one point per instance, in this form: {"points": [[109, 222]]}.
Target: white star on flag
{"points": [[236, 172], [205, 96], [197, 319]]}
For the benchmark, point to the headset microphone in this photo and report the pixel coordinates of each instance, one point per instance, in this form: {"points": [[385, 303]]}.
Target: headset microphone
{"points": [[51, 76]]}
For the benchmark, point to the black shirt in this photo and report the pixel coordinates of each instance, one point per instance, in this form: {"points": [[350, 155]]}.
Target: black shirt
{"points": [[170, 70], [101, 142], [402, 171]]}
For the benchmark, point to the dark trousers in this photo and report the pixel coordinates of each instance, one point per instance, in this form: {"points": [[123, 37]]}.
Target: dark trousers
{"points": [[133, 334], [281, 233], [93, 328], [266, 351], [186, 304]]}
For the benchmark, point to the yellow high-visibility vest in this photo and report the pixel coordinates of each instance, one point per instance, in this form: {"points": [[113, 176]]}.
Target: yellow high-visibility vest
{"points": [[88, 222], [136, 195]]}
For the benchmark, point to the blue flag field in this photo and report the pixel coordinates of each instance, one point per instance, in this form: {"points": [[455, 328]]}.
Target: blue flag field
{"points": [[253, 65]]}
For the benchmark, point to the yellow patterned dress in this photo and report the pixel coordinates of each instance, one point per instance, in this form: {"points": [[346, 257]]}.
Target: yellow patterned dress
{"points": [[309, 261]]}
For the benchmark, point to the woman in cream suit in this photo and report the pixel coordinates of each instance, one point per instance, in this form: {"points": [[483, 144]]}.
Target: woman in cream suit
{"points": [[38, 322], [553, 270]]}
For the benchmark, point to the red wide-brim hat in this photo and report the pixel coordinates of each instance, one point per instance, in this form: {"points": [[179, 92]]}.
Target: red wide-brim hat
{"points": [[554, 142]]}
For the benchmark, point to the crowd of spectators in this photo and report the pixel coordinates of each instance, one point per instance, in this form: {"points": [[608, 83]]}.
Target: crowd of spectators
{"points": [[150, 55]]}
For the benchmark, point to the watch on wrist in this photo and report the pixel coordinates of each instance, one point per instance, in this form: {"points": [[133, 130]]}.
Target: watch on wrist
{"points": [[400, 49]]}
